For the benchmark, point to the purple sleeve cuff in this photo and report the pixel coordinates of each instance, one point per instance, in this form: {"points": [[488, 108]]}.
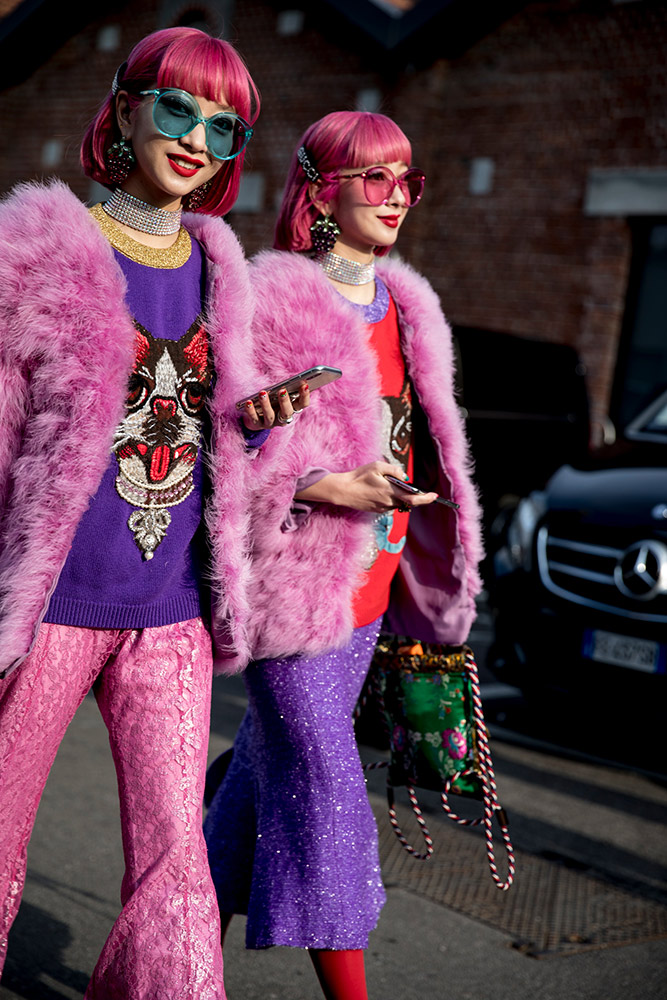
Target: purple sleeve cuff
{"points": [[255, 439], [301, 510]]}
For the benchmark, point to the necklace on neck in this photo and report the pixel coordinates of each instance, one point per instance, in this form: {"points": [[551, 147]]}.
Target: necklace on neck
{"points": [[159, 257], [349, 272], [139, 215]]}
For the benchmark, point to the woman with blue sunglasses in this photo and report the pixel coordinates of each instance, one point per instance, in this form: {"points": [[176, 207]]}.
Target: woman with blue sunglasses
{"points": [[124, 484]]}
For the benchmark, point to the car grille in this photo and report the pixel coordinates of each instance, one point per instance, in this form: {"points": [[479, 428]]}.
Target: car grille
{"points": [[583, 572]]}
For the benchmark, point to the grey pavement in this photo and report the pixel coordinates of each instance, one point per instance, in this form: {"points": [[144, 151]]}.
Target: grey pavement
{"points": [[591, 850]]}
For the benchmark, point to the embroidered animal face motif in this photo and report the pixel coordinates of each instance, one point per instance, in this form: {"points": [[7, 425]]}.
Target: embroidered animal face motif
{"points": [[397, 426], [157, 441]]}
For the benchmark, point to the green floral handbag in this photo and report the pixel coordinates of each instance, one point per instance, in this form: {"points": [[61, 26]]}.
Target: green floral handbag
{"points": [[429, 696], [426, 698]]}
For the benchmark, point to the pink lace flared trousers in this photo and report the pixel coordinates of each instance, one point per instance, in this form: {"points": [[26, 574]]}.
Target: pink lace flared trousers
{"points": [[153, 689]]}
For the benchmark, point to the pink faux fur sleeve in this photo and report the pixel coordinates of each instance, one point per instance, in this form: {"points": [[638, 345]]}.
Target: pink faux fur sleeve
{"points": [[429, 353], [13, 411], [63, 329]]}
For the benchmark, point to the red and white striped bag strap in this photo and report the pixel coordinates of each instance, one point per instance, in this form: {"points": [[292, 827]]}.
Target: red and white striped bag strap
{"points": [[487, 778]]}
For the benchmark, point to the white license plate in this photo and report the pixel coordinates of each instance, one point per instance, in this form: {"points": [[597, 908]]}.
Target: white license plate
{"points": [[622, 650]]}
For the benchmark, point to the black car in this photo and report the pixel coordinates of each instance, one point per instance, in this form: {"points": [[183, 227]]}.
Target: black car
{"points": [[578, 585]]}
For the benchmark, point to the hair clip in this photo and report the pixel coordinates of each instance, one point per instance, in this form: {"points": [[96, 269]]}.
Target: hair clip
{"points": [[305, 159], [120, 72]]}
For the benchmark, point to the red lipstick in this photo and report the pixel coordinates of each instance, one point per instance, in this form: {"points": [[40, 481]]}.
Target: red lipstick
{"points": [[390, 220], [185, 171]]}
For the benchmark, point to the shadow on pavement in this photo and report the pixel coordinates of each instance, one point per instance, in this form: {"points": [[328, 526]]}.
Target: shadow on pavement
{"points": [[36, 944]]}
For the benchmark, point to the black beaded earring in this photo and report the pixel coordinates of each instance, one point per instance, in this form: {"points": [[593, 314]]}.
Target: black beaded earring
{"points": [[325, 231], [120, 160], [197, 197]]}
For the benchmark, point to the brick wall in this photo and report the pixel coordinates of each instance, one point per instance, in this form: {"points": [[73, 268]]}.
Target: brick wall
{"points": [[557, 90], [560, 88]]}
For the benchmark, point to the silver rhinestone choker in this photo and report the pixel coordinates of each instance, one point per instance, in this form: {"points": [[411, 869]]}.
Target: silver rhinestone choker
{"points": [[349, 272], [136, 214]]}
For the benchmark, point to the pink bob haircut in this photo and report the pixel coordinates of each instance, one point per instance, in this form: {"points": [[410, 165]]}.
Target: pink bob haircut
{"points": [[337, 142], [191, 60]]}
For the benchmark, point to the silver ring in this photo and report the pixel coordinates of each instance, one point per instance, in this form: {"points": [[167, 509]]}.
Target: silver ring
{"points": [[283, 420]]}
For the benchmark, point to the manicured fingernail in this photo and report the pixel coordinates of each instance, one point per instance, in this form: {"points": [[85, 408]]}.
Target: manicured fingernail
{"points": [[305, 386], [249, 402], [262, 393], [283, 392]]}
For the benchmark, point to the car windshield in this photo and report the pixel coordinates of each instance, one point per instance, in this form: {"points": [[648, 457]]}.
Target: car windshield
{"points": [[651, 424]]}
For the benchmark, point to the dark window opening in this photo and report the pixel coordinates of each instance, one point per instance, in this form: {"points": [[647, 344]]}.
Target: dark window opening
{"points": [[526, 410], [641, 370]]}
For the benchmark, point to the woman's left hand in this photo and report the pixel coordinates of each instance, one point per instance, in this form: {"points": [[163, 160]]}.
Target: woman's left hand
{"points": [[259, 419]]}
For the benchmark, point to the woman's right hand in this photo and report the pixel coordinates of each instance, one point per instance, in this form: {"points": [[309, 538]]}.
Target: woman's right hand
{"points": [[365, 488], [259, 420]]}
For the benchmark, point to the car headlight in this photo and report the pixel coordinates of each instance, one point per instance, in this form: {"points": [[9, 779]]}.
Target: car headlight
{"points": [[521, 530]]}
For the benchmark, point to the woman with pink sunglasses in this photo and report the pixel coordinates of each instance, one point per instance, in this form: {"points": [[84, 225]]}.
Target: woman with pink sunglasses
{"points": [[338, 543]]}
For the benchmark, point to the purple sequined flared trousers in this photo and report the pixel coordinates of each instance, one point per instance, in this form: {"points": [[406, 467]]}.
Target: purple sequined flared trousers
{"points": [[153, 689], [291, 836]]}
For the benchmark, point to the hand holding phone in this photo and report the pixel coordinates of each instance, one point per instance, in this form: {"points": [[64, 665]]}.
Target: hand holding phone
{"points": [[315, 377], [411, 488]]}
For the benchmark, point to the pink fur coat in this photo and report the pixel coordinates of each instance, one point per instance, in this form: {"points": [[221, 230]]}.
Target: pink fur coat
{"points": [[66, 350], [303, 581]]}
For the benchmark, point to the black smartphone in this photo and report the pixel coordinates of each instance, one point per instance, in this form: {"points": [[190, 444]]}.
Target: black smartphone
{"points": [[411, 488], [315, 377]]}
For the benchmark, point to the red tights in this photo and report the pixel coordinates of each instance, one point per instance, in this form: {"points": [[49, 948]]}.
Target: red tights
{"points": [[341, 974]]}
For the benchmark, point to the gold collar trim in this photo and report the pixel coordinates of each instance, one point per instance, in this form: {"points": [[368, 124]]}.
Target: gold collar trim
{"points": [[160, 257]]}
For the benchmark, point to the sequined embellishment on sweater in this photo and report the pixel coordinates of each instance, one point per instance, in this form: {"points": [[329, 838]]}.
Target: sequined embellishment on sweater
{"points": [[157, 442]]}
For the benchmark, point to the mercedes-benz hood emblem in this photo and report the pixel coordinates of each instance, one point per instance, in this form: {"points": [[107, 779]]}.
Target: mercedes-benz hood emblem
{"points": [[641, 572]]}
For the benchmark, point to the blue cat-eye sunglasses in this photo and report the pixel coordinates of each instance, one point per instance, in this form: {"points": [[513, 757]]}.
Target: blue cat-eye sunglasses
{"points": [[176, 113]]}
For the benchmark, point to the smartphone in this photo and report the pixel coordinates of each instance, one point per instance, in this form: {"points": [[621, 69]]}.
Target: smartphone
{"points": [[315, 377], [411, 488]]}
